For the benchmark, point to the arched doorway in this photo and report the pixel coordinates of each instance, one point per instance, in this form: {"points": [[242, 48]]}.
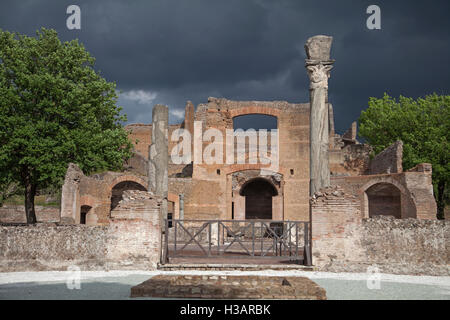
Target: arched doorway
{"points": [[118, 189], [258, 194], [83, 213], [384, 199]]}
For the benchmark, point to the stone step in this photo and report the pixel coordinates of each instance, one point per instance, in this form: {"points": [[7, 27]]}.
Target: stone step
{"points": [[232, 267], [228, 287]]}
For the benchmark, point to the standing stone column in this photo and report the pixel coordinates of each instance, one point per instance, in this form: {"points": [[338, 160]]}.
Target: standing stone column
{"points": [[159, 156], [318, 65]]}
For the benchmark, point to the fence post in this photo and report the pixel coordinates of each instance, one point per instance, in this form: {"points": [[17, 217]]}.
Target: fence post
{"points": [[167, 240], [307, 252], [209, 238], [253, 238], [175, 237], [290, 238], [162, 248], [218, 237], [165, 257], [296, 240], [262, 238]]}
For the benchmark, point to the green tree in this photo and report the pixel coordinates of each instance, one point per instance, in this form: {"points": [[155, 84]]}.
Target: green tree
{"points": [[54, 109], [423, 125]]}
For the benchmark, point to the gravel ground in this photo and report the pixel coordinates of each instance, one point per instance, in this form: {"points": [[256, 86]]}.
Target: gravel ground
{"points": [[117, 284]]}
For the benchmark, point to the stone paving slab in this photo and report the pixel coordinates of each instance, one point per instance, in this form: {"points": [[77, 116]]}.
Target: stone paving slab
{"points": [[229, 287]]}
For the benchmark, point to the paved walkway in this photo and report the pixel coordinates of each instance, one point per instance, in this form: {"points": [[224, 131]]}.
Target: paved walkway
{"points": [[117, 284]]}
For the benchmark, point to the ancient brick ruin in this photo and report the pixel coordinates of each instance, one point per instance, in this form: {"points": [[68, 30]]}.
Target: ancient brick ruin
{"points": [[131, 240], [340, 193]]}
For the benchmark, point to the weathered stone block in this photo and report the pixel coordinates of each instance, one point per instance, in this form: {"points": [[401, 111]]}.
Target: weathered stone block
{"points": [[230, 287]]}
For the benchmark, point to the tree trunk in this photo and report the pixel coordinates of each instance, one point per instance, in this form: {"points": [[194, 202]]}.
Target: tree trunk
{"points": [[441, 199], [30, 192]]}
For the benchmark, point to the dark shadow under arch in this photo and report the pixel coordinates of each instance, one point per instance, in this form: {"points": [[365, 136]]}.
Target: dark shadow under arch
{"points": [[118, 189], [258, 194], [83, 213], [384, 199]]}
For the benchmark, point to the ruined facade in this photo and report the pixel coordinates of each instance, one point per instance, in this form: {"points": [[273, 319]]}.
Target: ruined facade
{"points": [[348, 223], [216, 191], [234, 191], [239, 180], [320, 177]]}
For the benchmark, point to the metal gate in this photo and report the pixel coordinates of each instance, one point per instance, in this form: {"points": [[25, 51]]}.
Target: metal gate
{"points": [[227, 240]]}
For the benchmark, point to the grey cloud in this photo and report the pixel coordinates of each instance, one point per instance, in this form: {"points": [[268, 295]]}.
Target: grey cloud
{"points": [[189, 50]]}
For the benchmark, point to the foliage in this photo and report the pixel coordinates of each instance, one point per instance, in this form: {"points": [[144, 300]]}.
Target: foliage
{"points": [[422, 124], [55, 109]]}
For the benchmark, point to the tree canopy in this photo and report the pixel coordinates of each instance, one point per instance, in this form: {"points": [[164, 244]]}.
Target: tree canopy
{"points": [[424, 127], [55, 108]]}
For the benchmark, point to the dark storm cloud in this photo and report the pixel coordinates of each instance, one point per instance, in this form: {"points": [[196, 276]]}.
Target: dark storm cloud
{"points": [[171, 51]]}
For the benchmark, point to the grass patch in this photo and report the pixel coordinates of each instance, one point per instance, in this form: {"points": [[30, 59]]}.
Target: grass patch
{"points": [[18, 200]]}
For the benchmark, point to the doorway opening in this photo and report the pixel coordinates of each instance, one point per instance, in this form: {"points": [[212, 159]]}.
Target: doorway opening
{"points": [[258, 194]]}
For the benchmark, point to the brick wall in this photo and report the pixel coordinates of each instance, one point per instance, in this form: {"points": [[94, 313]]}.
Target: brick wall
{"points": [[334, 213], [134, 236], [349, 160], [16, 214], [131, 241], [345, 242], [94, 191], [415, 186], [141, 137], [389, 160], [137, 164], [210, 194], [52, 247]]}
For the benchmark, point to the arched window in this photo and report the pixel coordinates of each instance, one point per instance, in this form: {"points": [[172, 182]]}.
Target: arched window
{"points": [[255, 121], [249, 132]]}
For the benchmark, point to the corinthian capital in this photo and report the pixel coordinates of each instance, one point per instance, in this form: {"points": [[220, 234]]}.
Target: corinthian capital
{"points": [[318, 75]]}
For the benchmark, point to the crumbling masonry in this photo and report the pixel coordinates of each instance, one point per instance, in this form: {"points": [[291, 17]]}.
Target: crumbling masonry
{"points": [[323, 177]]}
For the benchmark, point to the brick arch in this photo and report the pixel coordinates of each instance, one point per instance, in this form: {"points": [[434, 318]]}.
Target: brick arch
{"points": [[87, 200], [408, 207], [387, 180], [248, 166], [254, 110], [124, 178], [239, 204], [246, 183], [113, 200], [277, 187]]}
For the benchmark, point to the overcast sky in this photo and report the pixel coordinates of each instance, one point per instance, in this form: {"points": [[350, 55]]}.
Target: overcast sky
{"points": [[166, 51]]}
